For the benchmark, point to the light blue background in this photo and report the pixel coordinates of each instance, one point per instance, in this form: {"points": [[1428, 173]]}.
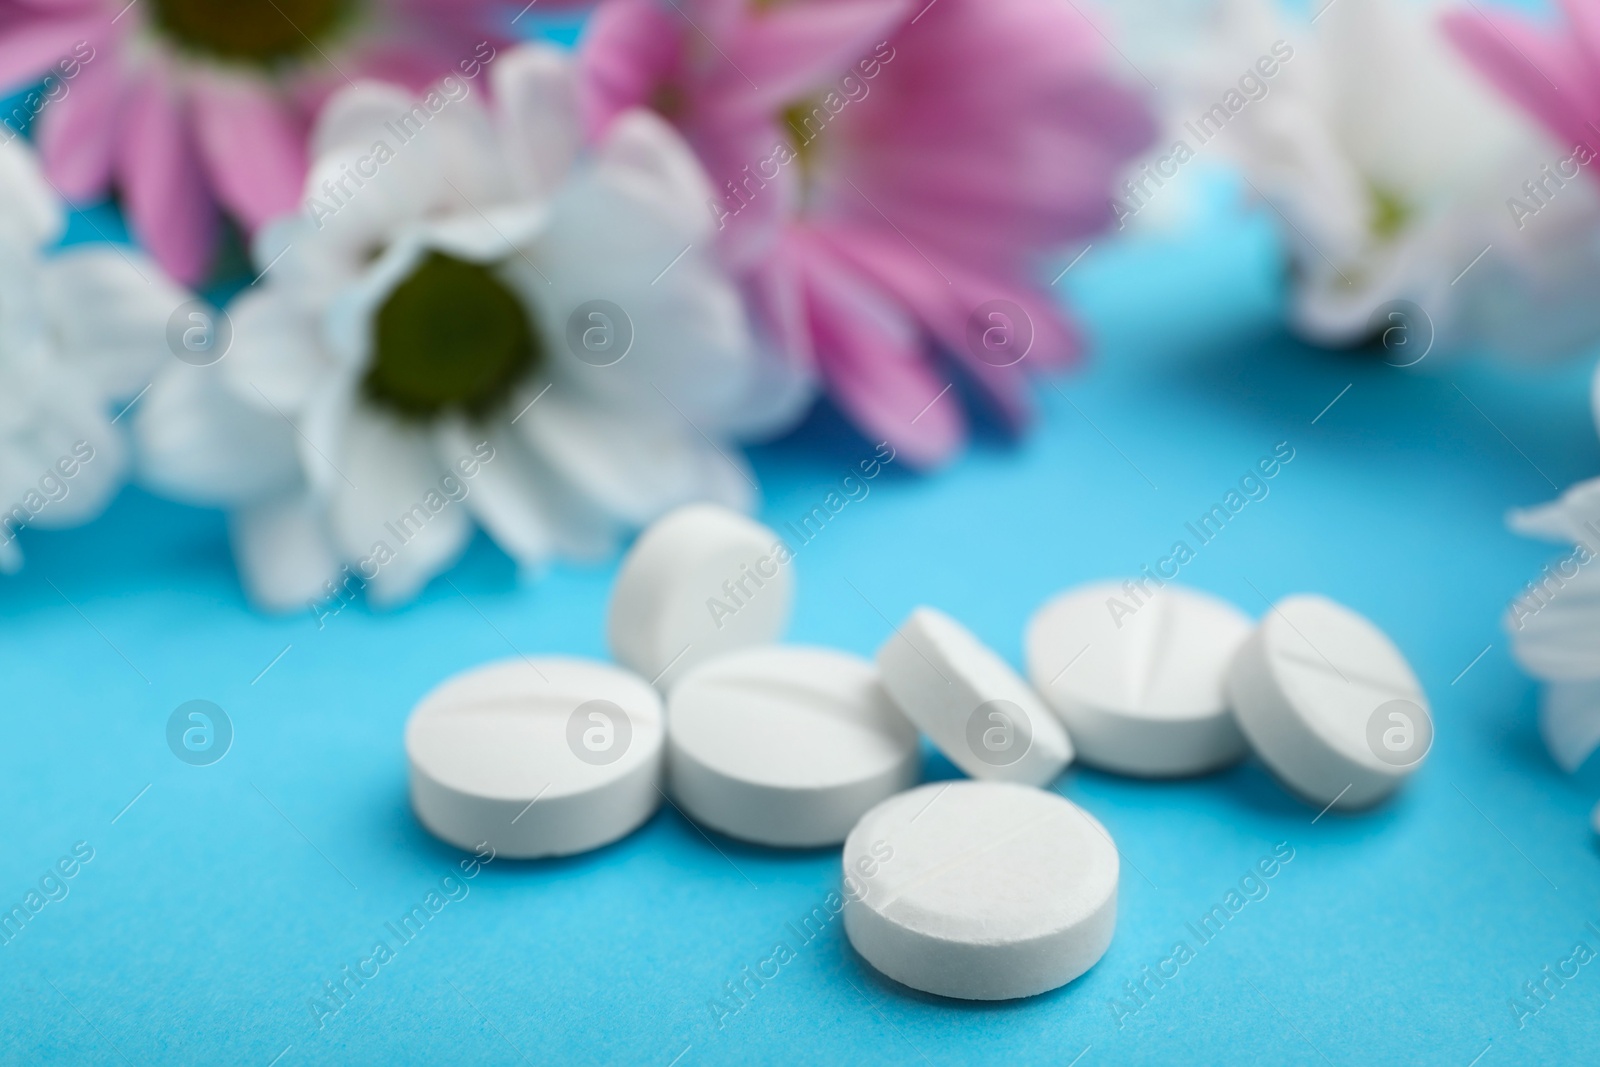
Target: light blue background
{"points": [[217, 904]]}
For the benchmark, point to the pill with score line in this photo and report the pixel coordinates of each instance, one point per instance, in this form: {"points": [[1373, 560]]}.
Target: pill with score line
{"points": [[543, 756], [1329, 703], [786, 745], [1139, 681]]}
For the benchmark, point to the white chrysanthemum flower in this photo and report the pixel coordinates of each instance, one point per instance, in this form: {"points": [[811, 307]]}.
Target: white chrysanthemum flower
{"points": [[472, 323], [79, 330], [1554, 624], [1390, 166]]}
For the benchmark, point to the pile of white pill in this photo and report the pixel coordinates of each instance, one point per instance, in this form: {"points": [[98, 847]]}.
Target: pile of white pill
{"points": [[983, 889]]}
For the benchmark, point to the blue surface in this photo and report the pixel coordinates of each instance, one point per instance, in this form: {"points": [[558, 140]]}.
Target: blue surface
{"points": [[217, 904]]}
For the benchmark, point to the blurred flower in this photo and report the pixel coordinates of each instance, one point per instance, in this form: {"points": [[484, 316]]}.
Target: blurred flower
{"points": [[191, 103], [1555, 623], [1390, 168], [467, 324], [78, 329], [889, 176], [1559, 259], [1521, 58]]}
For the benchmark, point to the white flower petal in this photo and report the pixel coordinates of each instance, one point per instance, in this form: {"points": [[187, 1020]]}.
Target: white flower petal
{"points": [[66, 430], [468, 143], [368, 190], [631, 466], [397, 501], [538, 112], [529, 510], [647, 157], [497, 235], [276, 361], [284, 551], [355, 117], [784, 382], [198, 443], [347, 481], [100, 456], [109, 309], [690, 336], [503, 488], [321, 425], [33, 216], [1573, 518], [1556, 634], [1569, 721], [349, 314]]}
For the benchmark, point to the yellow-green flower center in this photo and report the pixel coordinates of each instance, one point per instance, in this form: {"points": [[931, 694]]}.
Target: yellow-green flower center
{"points": [[1390, 213], [804, 121], [261, 32], [452, 336]]}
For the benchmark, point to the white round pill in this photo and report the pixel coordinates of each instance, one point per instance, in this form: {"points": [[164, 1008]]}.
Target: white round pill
{"points": [[1138, 679], [980, 890], [970, 703], [700, 581], [537, 757], [786, 745], [1329, 703]]}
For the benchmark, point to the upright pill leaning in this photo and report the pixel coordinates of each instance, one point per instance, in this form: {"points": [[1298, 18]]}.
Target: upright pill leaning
{"points": [[1140, 688], [700, 581], [980, 890], [786, 745], [537, 757], [970, 703], [1329, 703]]}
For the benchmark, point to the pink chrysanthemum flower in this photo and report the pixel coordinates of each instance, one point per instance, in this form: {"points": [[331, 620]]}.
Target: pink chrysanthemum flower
{"points": [[1551, 72], [188, 105], [891, 174]]}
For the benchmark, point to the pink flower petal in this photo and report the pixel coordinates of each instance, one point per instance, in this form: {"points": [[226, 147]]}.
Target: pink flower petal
{"points": [[944, 299], [774, 296], [61, 6], [997, 167], [872, 358], [794, 50], [629, 51], [1584, 16], [169, 206], [29, 47], [980, 136], [1522, 63], [253, 146], [78, 133]]}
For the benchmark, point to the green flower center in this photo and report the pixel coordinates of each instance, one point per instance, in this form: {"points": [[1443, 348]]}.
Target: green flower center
{"points": [[263, 32], [452, 335], [1390, 213], [805, 121]]}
